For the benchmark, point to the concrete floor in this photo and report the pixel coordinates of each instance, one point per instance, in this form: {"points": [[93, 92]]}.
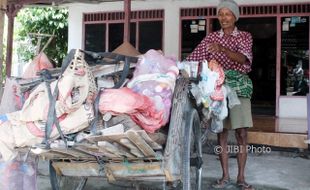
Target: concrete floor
{"points": [[276, 170], [273, 171]]}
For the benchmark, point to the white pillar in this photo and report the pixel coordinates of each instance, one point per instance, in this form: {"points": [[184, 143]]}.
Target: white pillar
{"points": [[171, 36], [75, 29]]}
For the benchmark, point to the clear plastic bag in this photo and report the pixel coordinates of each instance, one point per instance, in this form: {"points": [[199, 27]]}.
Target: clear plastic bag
{"points": [[216, 125], [18, 175], [8, 101], [155, 77], [232, 97]]}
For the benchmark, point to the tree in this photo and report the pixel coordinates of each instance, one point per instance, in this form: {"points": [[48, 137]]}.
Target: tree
{"points": [[47, 20], [2, 52]]}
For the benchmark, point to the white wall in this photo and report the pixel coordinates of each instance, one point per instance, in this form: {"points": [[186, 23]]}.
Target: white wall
{"points": [[289, 107], [171, 23], [293, 107]]}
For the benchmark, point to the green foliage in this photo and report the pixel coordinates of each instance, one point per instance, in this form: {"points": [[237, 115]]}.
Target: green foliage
{"points": [[44, 21]]}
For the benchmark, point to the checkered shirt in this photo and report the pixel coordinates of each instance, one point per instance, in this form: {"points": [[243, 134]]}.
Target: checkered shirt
{"points": [[237, 41]]}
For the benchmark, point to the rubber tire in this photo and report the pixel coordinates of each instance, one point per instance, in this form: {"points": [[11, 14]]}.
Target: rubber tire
{"points": [[65, 182], [192, 149]]}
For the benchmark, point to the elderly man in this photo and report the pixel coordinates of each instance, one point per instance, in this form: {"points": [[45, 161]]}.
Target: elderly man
{"points": [[232, 49]]}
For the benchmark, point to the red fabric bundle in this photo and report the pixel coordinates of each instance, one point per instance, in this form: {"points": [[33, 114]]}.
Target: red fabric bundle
{"points": [[139, 107]]}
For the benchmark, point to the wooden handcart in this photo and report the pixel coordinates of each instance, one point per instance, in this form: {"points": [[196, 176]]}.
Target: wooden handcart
{"points": [[178, 165]]}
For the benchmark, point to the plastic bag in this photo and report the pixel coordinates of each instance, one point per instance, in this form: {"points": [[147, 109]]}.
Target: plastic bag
{"points": [[155, 77], [39, 63], [216, 125], [232, 97], [8, 101], [18, 175]]}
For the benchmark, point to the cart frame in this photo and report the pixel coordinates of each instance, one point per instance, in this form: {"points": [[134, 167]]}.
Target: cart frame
{"points": [[179, 166]]}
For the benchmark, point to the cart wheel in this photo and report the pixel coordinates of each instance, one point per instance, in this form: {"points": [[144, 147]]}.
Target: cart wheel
{"points": [[192, 156], [60, 182]]}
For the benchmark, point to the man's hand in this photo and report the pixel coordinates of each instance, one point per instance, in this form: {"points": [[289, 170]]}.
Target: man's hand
{"points": [[234, 56], [216, 48]]}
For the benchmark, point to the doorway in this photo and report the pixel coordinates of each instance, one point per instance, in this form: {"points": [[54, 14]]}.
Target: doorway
{"points": [[263, 74]]}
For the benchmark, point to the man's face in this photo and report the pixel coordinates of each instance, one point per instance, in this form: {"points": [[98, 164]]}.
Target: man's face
{"points": [[226, 18]]}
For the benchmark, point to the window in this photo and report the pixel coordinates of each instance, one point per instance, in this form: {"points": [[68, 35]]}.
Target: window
{"points": [[104, 31], [193, 31], [133, 28], [116, 35], [150, 36], [295, 56], [95, 37]]}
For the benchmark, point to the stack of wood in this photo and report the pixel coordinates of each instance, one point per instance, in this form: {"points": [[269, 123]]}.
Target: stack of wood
{"points": [[116, 143], [113, 143]]}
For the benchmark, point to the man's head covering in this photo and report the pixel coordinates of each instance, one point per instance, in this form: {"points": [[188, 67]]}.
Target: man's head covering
{"points": [[231, 5]]}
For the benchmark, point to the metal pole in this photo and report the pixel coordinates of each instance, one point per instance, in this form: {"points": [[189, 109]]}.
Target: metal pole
{"points": [[127, 10]]}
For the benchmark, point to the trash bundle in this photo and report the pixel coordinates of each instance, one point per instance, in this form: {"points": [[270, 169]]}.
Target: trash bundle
{"points": [[212, 94], [70, 97], [155, 77]]}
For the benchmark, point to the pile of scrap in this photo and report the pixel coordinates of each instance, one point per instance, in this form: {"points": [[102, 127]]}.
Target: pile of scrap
{"points": [[83, 106], [53, 109]]}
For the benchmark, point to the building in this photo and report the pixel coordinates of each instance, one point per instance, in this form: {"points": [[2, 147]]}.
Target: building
{"points": [[280, 30]]}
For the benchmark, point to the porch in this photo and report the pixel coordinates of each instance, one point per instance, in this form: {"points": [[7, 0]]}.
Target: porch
{"points": [[279, 132]]}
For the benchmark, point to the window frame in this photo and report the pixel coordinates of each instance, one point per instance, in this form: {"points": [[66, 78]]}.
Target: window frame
{"points": [[108, 18]]}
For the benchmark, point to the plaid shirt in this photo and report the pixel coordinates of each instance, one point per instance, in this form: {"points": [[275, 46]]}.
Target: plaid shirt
{"points": [[237, 41]]}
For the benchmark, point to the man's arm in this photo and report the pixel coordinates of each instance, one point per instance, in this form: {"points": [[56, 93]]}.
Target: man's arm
{"points": [[234, 56]]}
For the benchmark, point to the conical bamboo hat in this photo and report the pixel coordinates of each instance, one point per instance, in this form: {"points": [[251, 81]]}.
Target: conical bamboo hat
{"points": [[126, 49]]}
